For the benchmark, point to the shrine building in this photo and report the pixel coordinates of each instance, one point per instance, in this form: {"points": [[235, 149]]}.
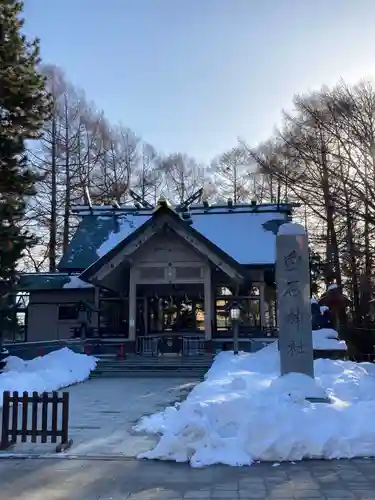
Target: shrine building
{"points": [[140, 274]]}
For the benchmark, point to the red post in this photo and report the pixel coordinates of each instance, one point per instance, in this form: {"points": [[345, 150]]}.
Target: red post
{"points": [[41, 351], [122, 352], [87, 349]]}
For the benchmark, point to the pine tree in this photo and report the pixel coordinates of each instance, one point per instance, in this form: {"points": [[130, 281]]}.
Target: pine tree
{"points": [[24, 106]]}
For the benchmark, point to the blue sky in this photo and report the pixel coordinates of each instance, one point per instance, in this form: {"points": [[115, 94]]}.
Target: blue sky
{"points": [[193, 75]]}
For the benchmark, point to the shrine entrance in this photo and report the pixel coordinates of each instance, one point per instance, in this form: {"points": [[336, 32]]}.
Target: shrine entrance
{"points": [[173, 318], [171, 308], [175, 312]]}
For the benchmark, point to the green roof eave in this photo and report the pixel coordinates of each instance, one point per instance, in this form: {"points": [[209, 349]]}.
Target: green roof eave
{"points": [[42, 281], [45, 281]]}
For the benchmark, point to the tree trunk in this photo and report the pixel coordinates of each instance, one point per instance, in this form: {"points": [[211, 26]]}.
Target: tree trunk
{"points": [[366, 283], [67, 181], [235, 185], [53, 221], [332, 252], [352, 259]]}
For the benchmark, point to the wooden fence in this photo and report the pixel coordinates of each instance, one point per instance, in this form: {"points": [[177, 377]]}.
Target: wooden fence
{"points": [[37, 427]]}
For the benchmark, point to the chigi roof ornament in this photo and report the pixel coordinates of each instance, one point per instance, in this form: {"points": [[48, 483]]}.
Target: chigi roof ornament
{"points": [[195, 197], [139, 201], [163, 202]]}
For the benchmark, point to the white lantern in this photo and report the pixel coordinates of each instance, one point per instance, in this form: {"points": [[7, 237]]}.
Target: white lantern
{"points": [[235, 312]]}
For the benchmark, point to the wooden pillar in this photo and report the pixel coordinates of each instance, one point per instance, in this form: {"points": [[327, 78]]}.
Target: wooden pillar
{"points": [[207, 304], [132, 304], [262, 305], [160, 320], [213, 308], [96, 321], [145, 314]]}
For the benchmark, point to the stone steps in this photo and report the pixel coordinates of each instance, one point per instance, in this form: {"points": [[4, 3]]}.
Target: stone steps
{"points": [[143, 366], [156, 362], [191, 374]]}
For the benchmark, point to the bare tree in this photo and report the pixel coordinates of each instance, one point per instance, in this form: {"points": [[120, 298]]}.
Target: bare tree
{"points": [[231, 176], [111, 180], [183, 176], [65, 157], [324, 155], [147, 177]]}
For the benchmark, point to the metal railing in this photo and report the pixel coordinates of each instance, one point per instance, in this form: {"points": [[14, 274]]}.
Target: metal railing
{"points": [[150, 346], [147, 346], [193, 346]]}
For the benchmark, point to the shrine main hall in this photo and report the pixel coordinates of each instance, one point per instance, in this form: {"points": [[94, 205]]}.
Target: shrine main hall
{"points": [[168, 275]]}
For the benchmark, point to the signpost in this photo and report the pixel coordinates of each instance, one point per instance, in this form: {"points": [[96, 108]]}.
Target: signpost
{"points": [[293, 299]]}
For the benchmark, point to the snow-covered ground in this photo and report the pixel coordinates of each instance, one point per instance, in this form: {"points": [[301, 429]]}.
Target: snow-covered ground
{"points": [[46, 373], [244, 412]]}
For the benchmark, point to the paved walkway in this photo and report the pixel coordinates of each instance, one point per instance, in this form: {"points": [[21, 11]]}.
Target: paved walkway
{"points": [[103, 412], [69, 479]]}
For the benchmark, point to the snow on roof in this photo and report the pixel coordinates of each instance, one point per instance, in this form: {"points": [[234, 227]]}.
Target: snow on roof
{"points": [[238, 233], [127, 225], [76, 282], [241, 235], [292, 229]]}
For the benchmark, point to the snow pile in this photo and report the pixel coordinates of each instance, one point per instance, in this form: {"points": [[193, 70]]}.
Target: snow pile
{"points": [[46, 373], [244, 411], [326, 339], [76, 282]]}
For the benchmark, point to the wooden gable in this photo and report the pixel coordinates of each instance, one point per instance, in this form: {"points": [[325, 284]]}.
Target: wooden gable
{"points": [[165, 227]]}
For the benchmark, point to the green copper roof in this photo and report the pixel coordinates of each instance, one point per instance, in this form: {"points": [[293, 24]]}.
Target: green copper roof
{"points": [[42, 281], [50, 281]]}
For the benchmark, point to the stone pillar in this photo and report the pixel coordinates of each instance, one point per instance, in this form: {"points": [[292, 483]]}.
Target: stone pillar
{"points": [[132, 304], [293, 299], [207, 304]]}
